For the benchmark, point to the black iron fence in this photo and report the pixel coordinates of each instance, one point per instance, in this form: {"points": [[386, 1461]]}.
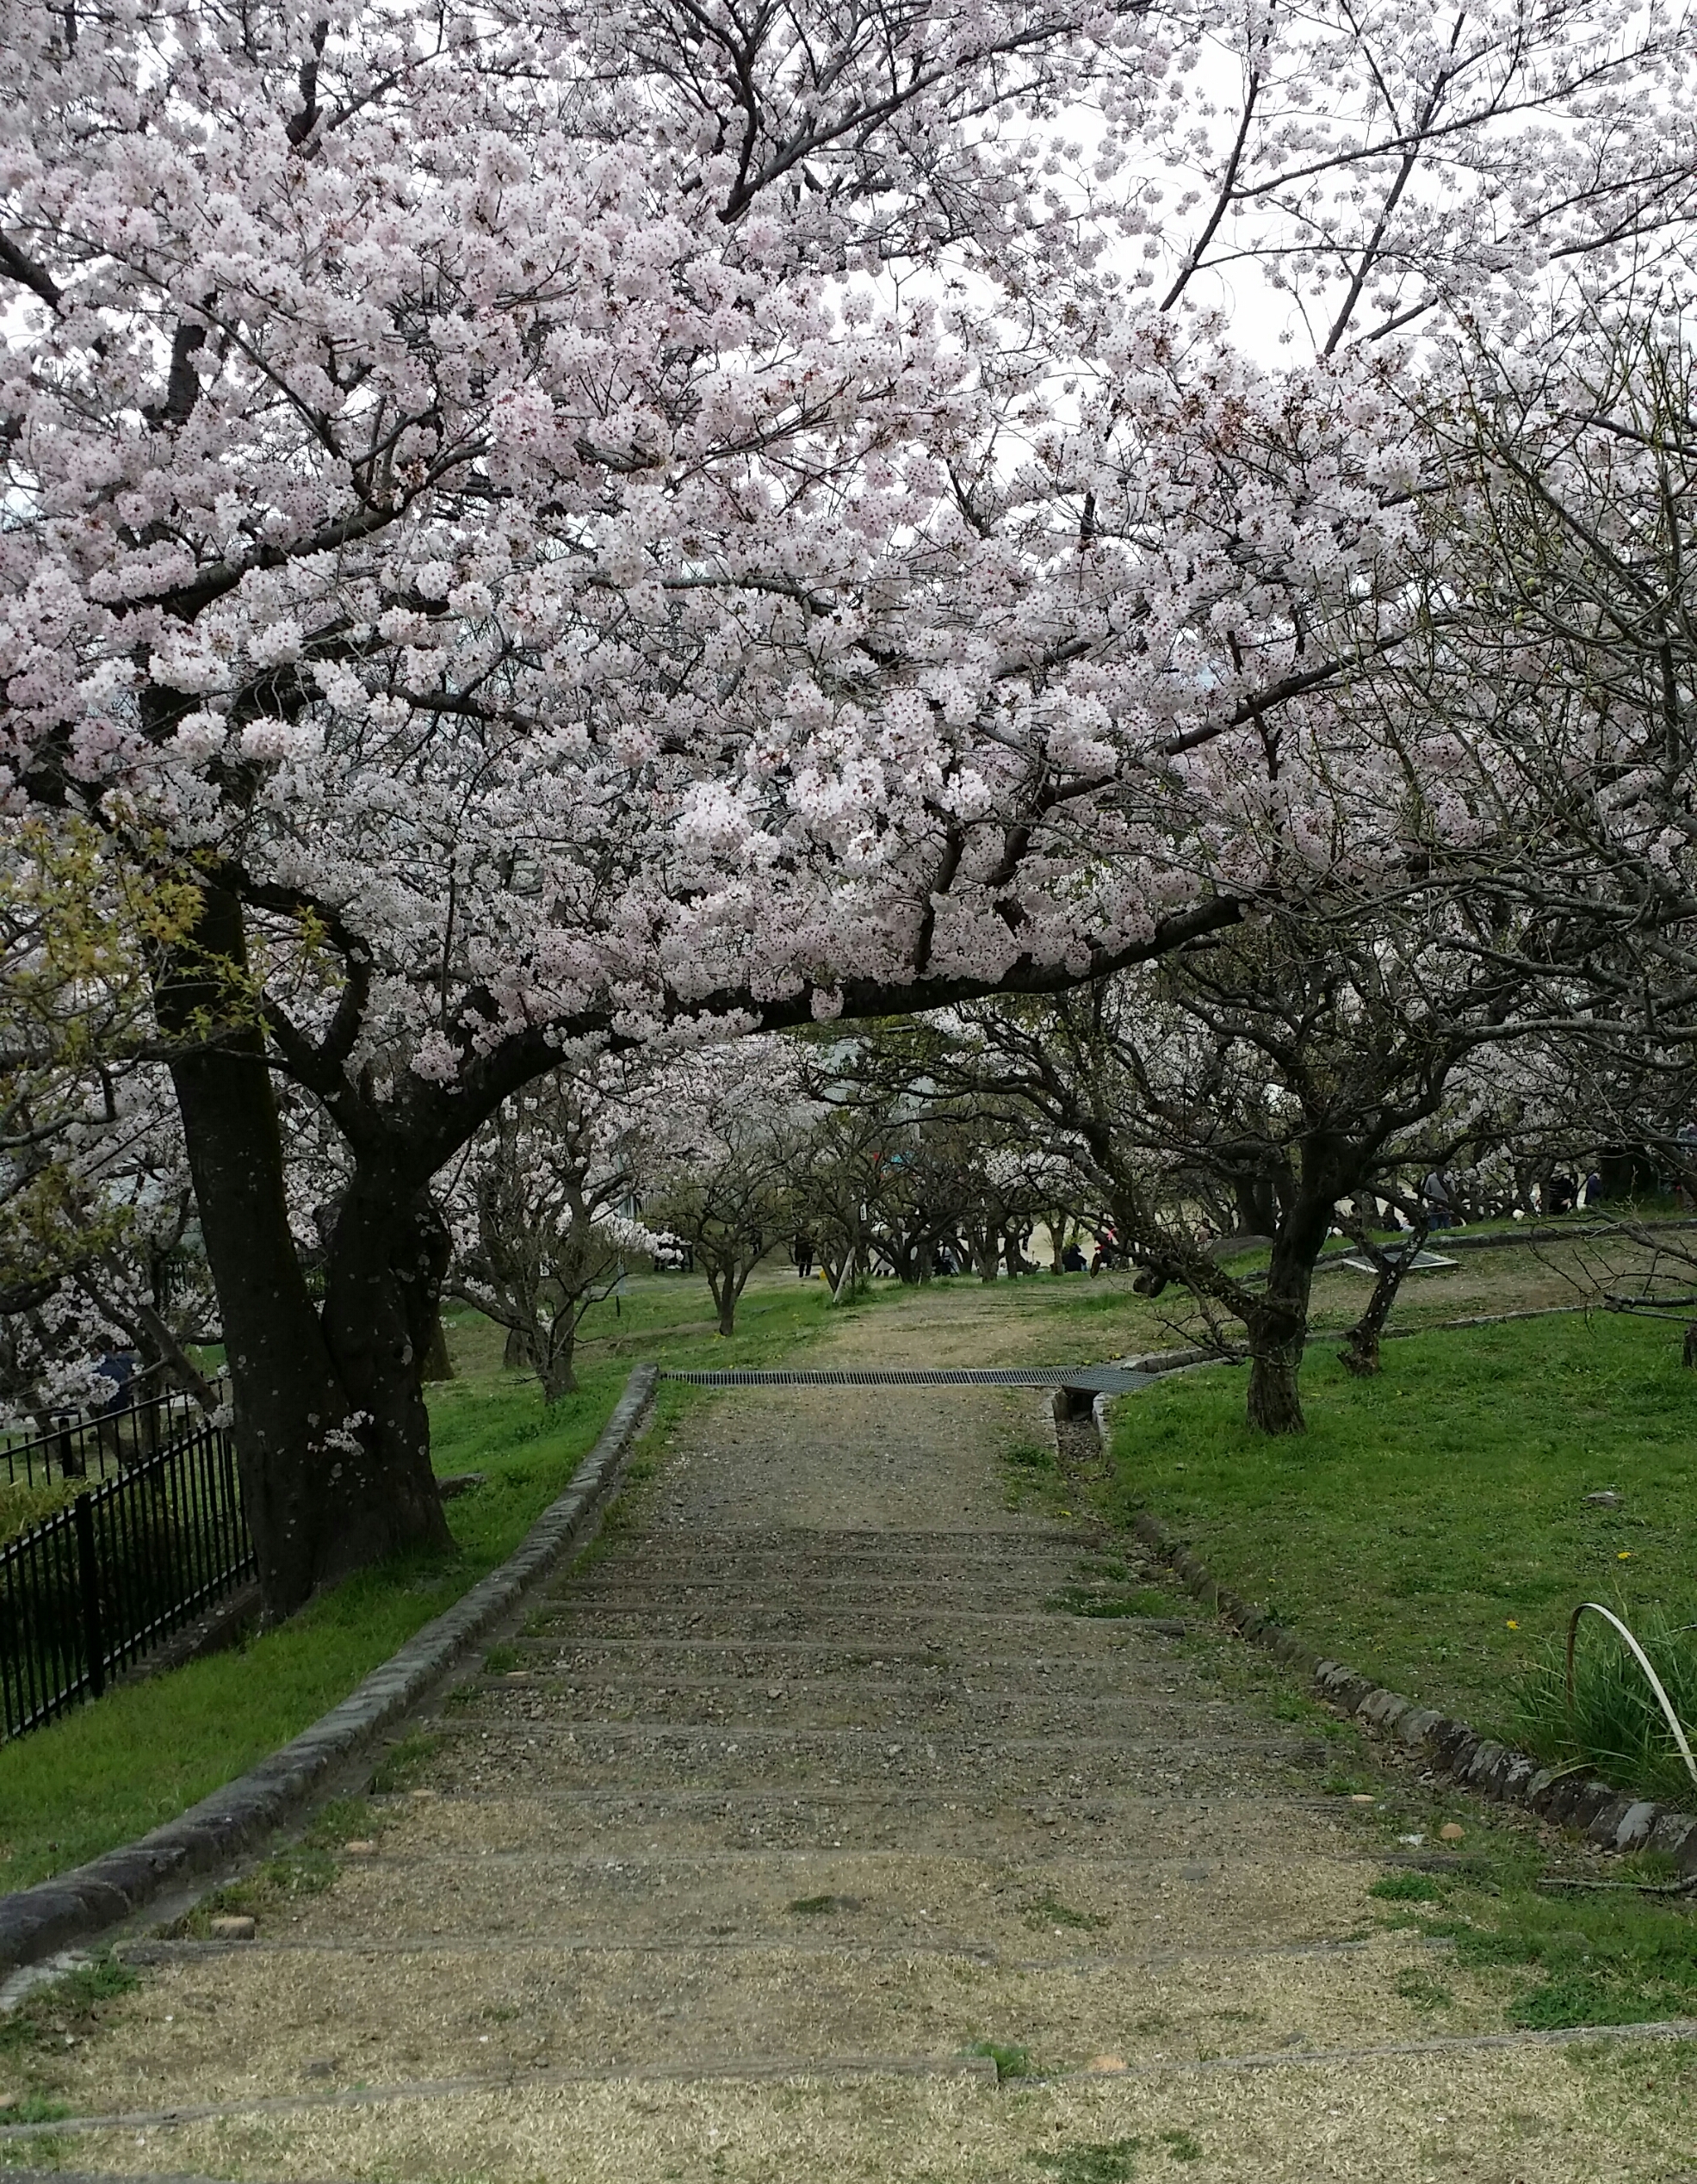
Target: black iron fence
{"points": [[97, 1443], [102, 1581]]}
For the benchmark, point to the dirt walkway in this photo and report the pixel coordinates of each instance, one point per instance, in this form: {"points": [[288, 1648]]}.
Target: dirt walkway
{"points": [[804, 1834]]}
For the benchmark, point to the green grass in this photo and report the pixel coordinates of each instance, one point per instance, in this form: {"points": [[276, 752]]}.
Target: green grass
{"points": [[1112, 2161], [1012, 2061], [1105, 2162], [1048, 1911], [1616, 1725], [1431, 1528], [117, 1767], [1142, 1602], [22, 1505], [1569, 1958]]}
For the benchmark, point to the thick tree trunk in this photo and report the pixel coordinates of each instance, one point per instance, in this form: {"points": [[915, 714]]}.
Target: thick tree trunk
{"points": [[1275, 1396], [515, 1354], [1278, 1327], [559, 1368], [725, 1286], [332, 1438], [387, 1262], [1257, 1206]]}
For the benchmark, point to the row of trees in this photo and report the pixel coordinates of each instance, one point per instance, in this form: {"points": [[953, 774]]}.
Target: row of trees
{"points": [[1278, 1081], [537, 537]]}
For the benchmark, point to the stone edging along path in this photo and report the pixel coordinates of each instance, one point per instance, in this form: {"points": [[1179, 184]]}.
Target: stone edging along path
{"points": [[1566, 1798], [73, 1907]]}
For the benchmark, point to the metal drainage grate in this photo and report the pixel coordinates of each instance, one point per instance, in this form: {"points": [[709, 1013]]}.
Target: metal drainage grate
{"points": [[1099, 1380]]}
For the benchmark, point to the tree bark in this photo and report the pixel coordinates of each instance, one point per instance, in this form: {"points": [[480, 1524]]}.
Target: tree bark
{"points": [[1278, 1325], [559, 1371], [438, 1364], [1257, 1206], [1361, 1353], [725, 1284], [332, 1440], [1275, 1395]]}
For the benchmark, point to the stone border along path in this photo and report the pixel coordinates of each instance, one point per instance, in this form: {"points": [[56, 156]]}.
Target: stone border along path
{"points": [[1609, 1818], [801, 1814], [80, 1905]]}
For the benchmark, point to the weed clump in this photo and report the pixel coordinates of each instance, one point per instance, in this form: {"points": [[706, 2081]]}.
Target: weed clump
{"points": [[1615, 1728], [1011, 2060]]}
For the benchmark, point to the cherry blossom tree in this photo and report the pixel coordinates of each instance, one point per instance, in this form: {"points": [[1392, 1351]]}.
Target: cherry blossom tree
{"points": [[1320, 1060], [539, 1212], [720, 1134], [565, 526]]}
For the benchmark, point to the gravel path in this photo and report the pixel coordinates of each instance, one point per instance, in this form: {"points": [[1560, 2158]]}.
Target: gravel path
{"points": [[802, 1810]]}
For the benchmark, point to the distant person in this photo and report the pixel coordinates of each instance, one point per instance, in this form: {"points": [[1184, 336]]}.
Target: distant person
{"points": [[1072, 1261], [1439, 1206], [1593, 1190], [120, 1368], [803, 1257], [1559, 1194]]}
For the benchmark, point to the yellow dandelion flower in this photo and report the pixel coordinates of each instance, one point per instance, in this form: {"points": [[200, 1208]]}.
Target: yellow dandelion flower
{"points": [[1513, 1625], [1625, 1555]]}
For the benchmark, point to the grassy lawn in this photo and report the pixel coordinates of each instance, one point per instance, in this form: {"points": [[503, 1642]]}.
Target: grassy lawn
{"points": [[124, 1763], [1431, 1528]]}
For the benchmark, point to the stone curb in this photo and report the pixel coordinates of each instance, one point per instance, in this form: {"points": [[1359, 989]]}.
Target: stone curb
{"points": [[73, 1907], [1608, 1819]]}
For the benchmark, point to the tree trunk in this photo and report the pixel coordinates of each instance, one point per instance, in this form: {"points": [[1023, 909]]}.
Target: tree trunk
{"points": [[1359, 1354], [331, 1436], [559, 1368], [515, 1356], [1257, 1206], [1278, 1326], [438, 1364], [725, 1289], [1275, 1397], [387, 1261]]}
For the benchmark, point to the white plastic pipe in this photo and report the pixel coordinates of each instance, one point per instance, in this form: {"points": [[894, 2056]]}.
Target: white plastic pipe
{"points": [[1608, 1615]]}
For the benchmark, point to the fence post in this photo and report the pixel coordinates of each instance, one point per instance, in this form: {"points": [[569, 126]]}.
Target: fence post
{"points": [[88, 1570], [71, 1466]]}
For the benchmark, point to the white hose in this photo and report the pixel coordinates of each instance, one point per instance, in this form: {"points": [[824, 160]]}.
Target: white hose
{"points": [[1643, 1660]]}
